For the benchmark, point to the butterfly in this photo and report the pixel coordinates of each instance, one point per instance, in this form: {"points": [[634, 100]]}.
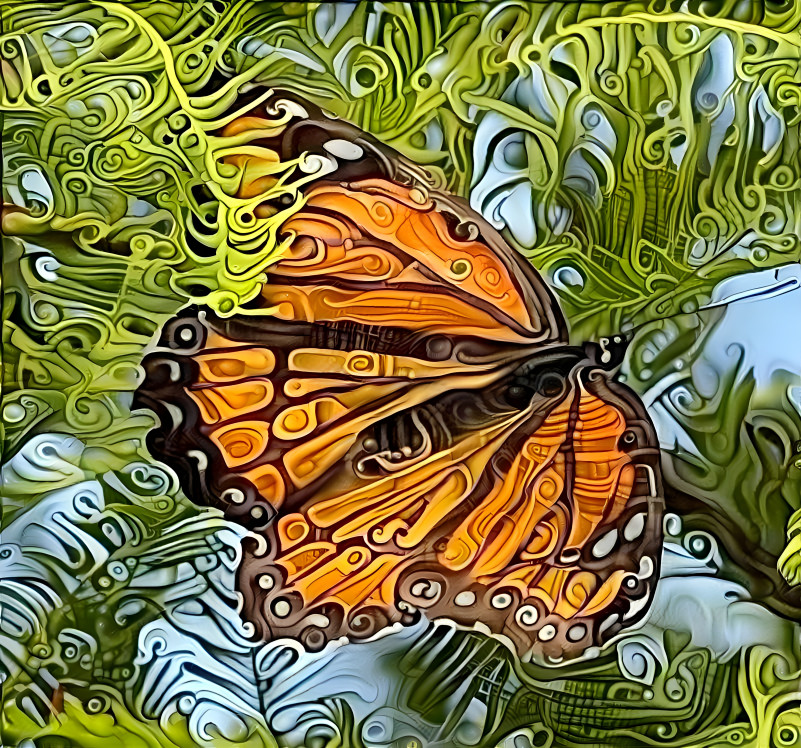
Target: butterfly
{"points": [[401, 420]]}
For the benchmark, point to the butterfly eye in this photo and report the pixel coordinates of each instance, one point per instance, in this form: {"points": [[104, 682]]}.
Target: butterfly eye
{"points": [[518, 396], [550, 384]]}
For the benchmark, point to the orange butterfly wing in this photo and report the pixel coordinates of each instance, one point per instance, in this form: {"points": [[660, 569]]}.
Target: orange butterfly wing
{"points": [[408, 430]]}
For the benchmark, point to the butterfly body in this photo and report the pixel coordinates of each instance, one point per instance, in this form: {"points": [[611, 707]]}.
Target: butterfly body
{"points": [[406, 427]]}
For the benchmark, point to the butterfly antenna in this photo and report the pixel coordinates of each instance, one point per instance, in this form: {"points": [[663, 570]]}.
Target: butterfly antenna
{"points": [[771, 290]]}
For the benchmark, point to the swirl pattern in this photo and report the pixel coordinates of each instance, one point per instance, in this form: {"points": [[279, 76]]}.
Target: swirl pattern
{"points": [[192, 184]]}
